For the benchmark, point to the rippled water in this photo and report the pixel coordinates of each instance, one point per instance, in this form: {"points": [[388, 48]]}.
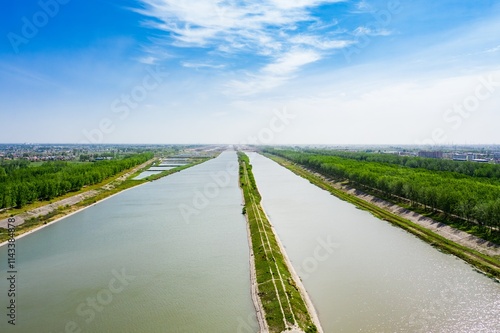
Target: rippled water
{"points": [[363, 274], [168, 256]]}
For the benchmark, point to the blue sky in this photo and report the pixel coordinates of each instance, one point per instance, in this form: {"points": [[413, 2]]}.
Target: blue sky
{"points": [[266, 71]]}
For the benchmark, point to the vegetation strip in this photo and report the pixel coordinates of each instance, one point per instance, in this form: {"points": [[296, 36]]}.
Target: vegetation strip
{"points": [[121, 182], [486, 264], [282, 300]]}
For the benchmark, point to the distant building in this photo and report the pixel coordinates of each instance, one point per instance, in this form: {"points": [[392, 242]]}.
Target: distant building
{"points": [[460, 157], [448, 156], [480, 158], [430, 154]]}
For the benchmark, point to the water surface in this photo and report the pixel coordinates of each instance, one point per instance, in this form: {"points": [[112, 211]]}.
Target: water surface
{"points": [[363, 274], [136, 263]]}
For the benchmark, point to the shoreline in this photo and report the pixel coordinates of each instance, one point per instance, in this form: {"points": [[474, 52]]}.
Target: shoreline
{"points": [[298, 281], [68, 215], [485, 264], [254, 287], [127, 174], [303, 317], [448, 232], [453, 234]]}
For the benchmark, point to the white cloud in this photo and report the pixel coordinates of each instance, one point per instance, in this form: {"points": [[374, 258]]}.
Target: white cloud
{"points": [[155, 53], [361, 108], [363, 5], [276, 73], [321, 25], [290, 62], [321, 43], [201, 65], [199, 23], [148, 60], [267, 28], [493, 49], [361, 31], [287, 4], [255, 84]]}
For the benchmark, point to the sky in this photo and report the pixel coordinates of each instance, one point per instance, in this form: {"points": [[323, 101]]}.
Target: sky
{"points": [[254, 72]]}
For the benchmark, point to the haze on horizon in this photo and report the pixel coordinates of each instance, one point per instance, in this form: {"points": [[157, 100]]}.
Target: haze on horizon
{"points": [[267, 71]]}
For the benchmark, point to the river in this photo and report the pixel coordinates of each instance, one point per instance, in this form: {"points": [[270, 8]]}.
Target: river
{"points": [[167, 256], [365, 275]]}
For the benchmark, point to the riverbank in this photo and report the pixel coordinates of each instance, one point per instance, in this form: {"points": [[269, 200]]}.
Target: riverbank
{"points": [[282, 298], [177, 274], [486, 263], [298, 282], [254, 289], [65, 215], [43, 216]]}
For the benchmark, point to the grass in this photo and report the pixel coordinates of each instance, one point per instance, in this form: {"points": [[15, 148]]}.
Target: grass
{"points": [[486, 264], [281, 299]]}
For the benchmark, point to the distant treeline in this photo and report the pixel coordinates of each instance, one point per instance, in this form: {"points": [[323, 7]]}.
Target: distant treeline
{"points": [[455, 188], [21, 183], [474, 169]]}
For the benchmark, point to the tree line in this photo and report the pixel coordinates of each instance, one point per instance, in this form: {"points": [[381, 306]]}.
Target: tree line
{"points": [[483, 170], [471, 198], [21, 183]]}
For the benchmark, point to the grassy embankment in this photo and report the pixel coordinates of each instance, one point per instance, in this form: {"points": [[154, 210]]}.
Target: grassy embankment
{"points": [[282, 302], [488, 265], [114, 186]]}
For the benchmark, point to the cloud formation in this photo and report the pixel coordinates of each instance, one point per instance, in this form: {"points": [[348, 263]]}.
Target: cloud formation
{"points": [[285, 33]]}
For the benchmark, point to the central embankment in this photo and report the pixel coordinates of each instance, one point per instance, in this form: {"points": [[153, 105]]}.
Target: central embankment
{"points": [[282, 300]]}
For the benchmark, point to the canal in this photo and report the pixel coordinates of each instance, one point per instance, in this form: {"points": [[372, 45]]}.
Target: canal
{"points": [[365, 275], [167, 256]]}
